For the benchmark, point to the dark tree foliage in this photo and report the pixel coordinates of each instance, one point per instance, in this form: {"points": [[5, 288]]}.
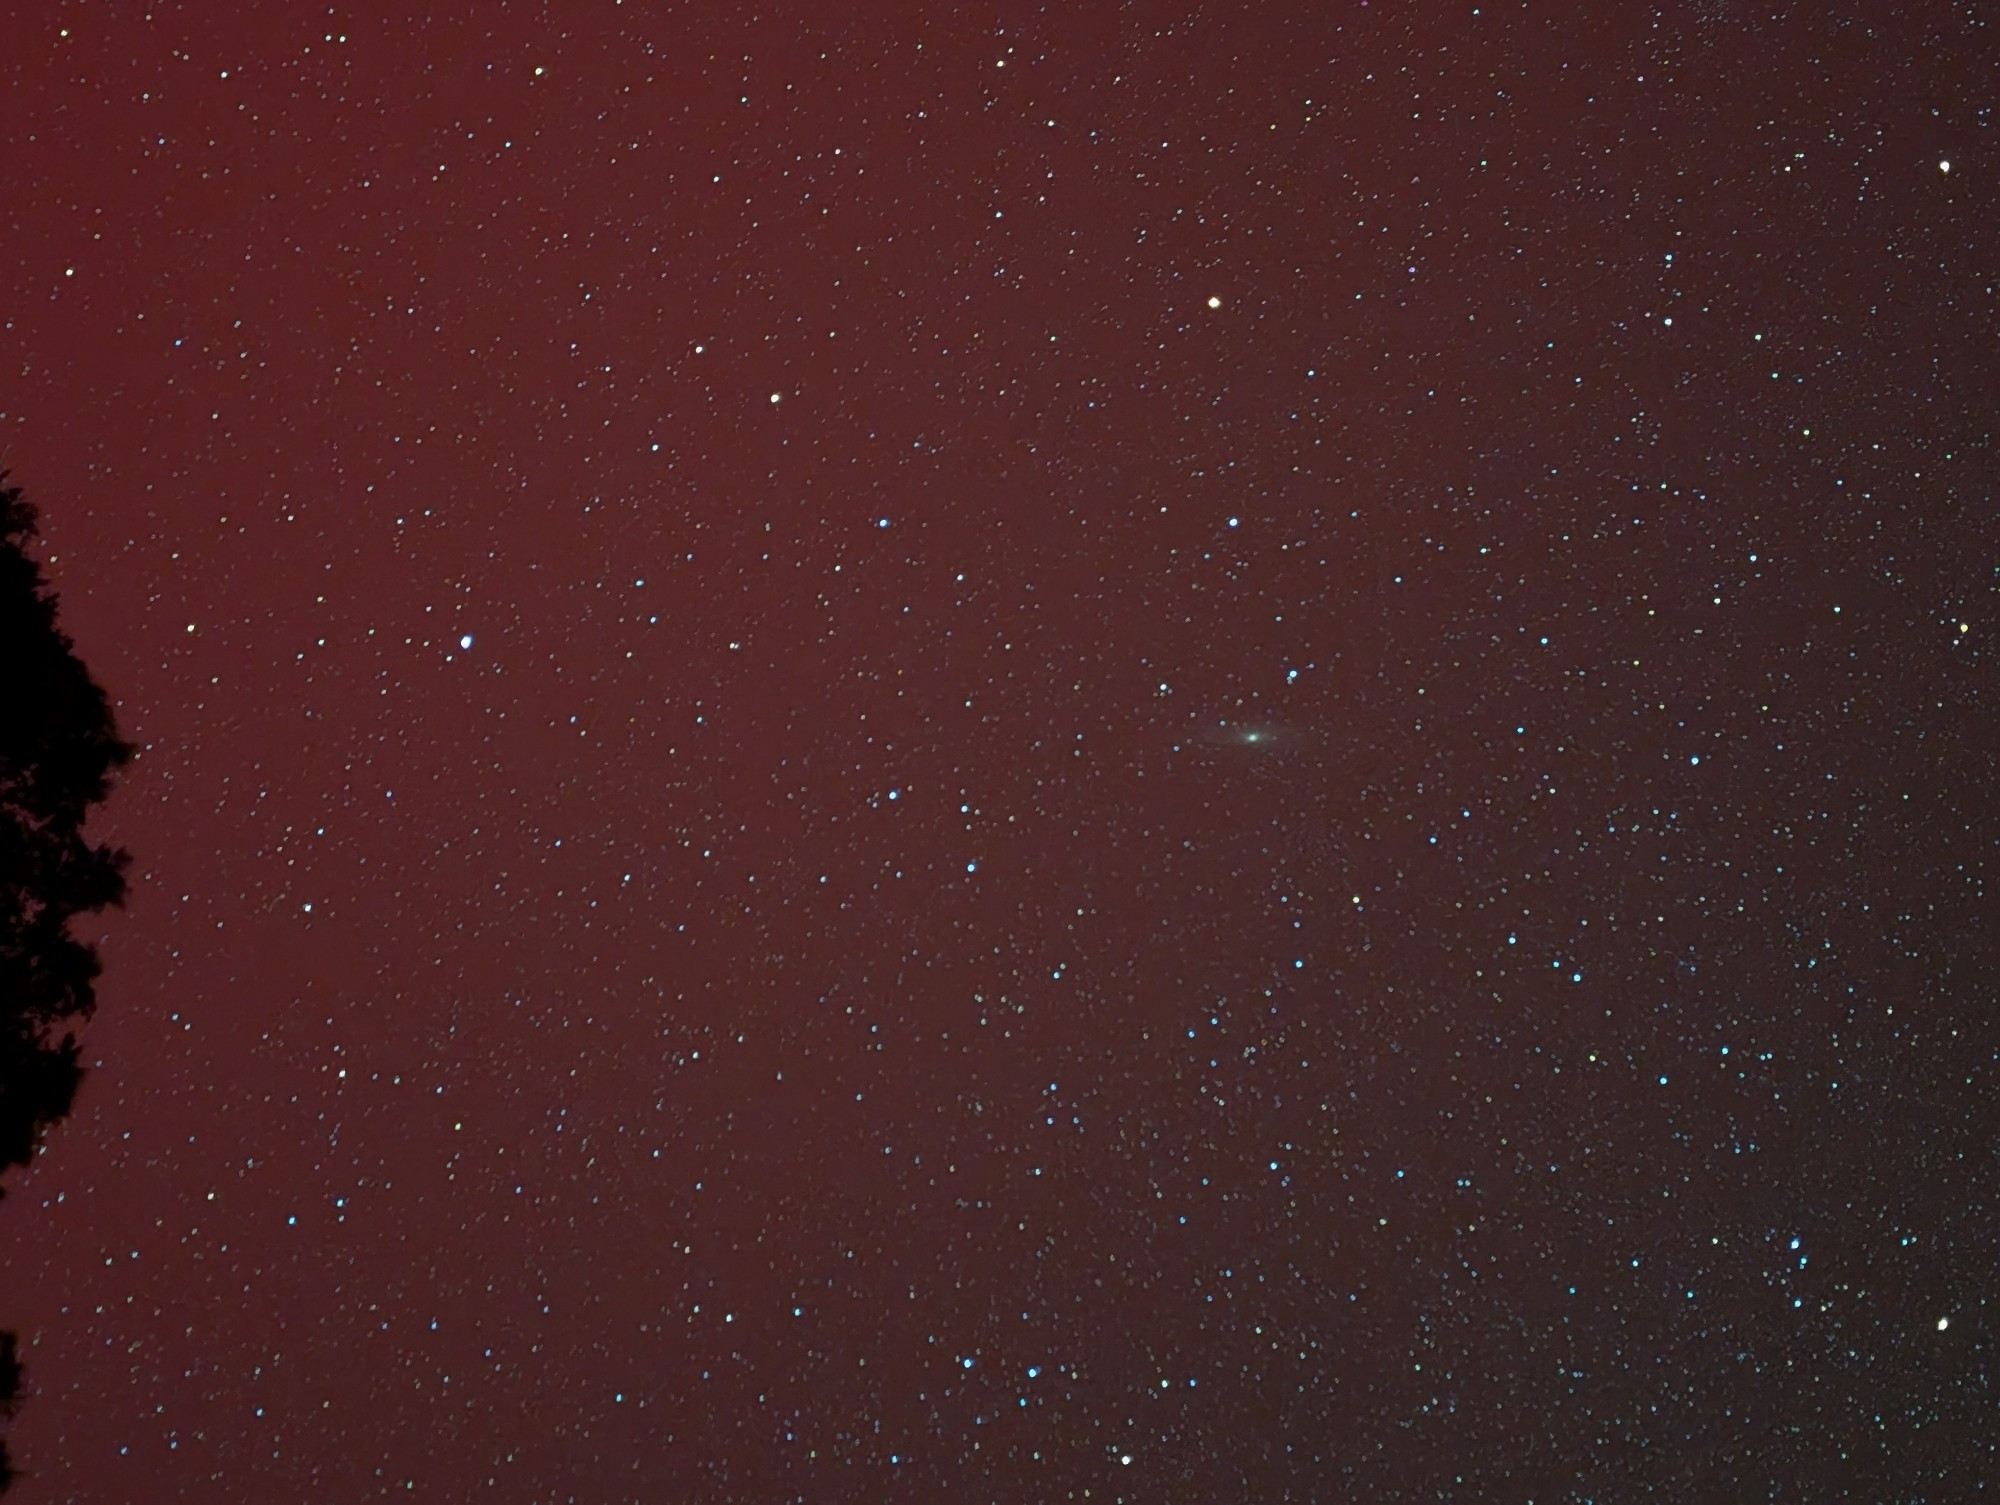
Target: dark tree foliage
{"points": [[59, 746]]}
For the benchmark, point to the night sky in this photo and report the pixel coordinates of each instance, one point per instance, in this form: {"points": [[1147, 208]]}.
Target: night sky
{"points": [[1118, 753]]}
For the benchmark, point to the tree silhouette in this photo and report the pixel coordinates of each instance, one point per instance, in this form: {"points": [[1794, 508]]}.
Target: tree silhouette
{"points": [[59, 746]]}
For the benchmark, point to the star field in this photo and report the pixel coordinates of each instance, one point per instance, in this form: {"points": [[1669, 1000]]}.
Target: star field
{"points": [[1093, 753]]}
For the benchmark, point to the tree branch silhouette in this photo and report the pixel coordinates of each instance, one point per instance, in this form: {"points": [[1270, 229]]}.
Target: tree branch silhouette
{"points": [[59, 747]]}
